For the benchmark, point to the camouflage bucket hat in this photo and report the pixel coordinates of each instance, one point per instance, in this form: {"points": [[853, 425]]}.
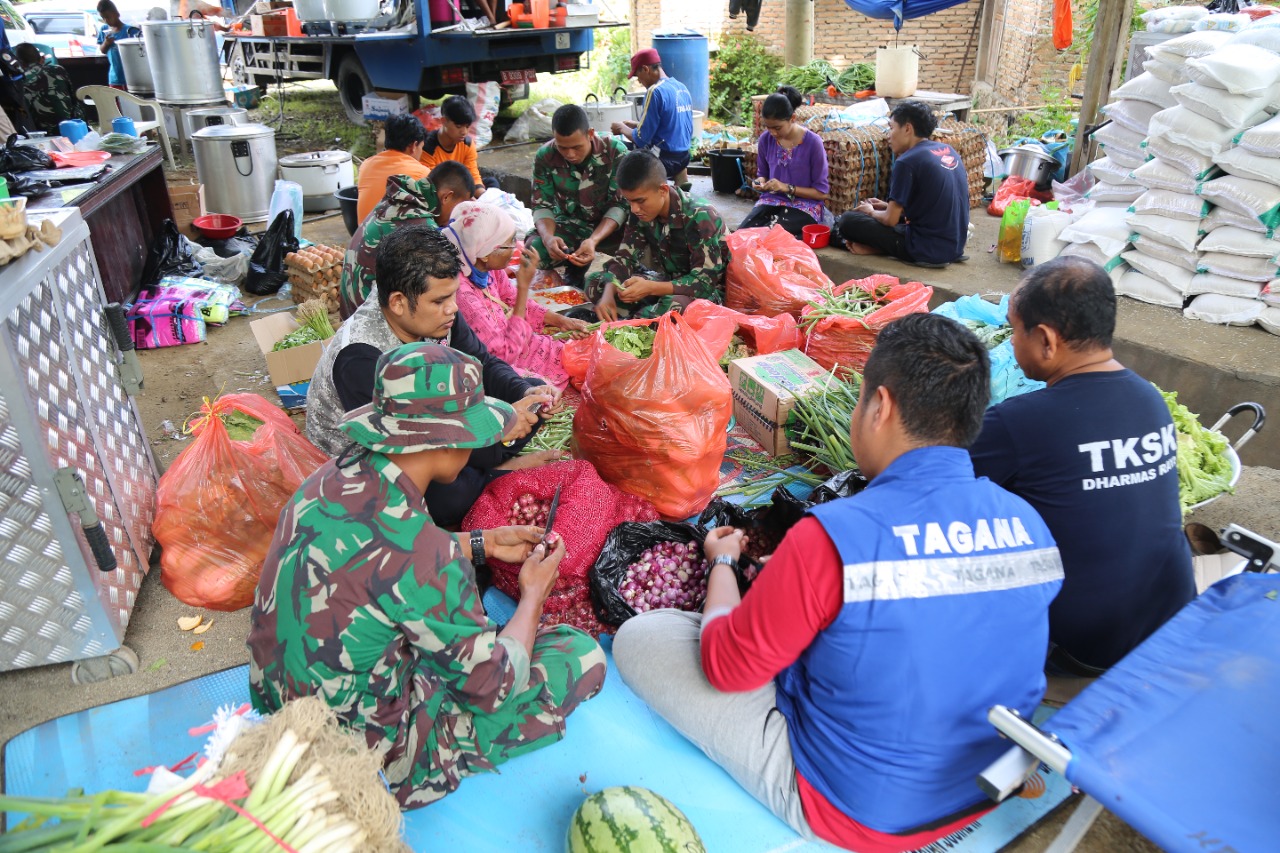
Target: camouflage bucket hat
{"points": [[427, 397]]}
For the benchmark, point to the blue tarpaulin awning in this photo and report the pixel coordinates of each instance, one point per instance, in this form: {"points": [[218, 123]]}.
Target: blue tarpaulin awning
{"points": [[900, 10]]}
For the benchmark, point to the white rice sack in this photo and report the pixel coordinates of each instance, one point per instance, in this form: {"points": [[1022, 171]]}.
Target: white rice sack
{"points": [[1180, 258], [1224, 22], [1225, 108], [1146, 87], [1169, 73], [1269, 319], [1158, 174], [1121, 137], [1172, 275], [1171, 204], [1180, 233], [1132, 115], [1259, 199], [1173, 13], [1244, 69], [1195, 164], [1125, 157], [1144, 288], [1179, 50], [1181, 126], [1267, 38], [1224, 310], [1262, 139], [1109, 171], [1245, 164], [1271, 292], [1238, 241], [1260, 270], [1220, 217], [1223, 285], [1041, 235], [1121, 194], [1173, 27], [1091, 252], [1117, 272], [1104, 227]]}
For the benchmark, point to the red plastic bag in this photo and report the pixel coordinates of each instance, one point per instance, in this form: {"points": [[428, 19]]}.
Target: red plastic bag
{"points": [[1013, 188], [589, 509], [846, 341], [762, 334], [218, 504], [715, 334], [771, 272], [655, 427]]}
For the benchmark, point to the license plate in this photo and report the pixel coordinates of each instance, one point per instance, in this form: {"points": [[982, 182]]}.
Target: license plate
{"points": [[517, 76]]}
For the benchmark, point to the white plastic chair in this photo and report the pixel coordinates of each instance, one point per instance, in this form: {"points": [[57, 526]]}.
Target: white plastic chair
{"points": [[107, 101]]}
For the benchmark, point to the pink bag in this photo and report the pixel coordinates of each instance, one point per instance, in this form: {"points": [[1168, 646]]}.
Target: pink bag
{"points": [[166, 322]]}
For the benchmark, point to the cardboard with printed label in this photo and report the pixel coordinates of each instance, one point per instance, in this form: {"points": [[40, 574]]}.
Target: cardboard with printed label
{"points": [[765, 388], [188, 204], [287, 366]]}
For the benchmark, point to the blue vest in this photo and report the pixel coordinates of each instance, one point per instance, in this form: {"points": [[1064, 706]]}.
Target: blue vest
{"points": [[947, 584]]}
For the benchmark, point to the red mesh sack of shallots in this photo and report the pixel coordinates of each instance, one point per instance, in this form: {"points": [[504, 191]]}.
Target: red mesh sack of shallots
{"points": [[589, 509], [846, 341], [771, 272]]}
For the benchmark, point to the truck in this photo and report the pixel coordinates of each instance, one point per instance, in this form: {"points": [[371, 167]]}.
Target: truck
{"points": [[393, 55]]}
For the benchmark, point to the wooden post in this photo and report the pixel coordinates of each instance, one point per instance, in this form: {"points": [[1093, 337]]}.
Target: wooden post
{"points": [[1106, 59], [798, 47]]}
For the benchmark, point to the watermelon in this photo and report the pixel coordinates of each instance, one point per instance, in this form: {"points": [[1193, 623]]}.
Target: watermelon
{"points": [[631, 820]]}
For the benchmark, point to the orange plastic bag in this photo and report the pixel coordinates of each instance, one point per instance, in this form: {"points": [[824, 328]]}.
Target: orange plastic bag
{"points": [[218, 504], [847, 341], [762, 334], [1063, 30], [715, 332], [771, 272], [655, 427]]}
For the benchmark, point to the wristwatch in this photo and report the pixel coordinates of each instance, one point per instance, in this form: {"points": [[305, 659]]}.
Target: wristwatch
{"points": [[477, 548], [724, 560]]}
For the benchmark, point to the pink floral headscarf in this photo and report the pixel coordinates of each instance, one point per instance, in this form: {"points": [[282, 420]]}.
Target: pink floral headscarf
{"points": [[477, 229]]}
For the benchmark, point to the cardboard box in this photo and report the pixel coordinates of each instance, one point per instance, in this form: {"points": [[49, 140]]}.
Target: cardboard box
{"points": [[275, 24], [188, 203], [765, 388], [288, 366], [381, 109]]}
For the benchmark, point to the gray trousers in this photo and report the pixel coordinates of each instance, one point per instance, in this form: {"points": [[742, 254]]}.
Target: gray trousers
{"points": [[657, 654]]}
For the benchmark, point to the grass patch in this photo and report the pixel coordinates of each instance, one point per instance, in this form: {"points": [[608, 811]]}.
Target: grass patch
{"points": [[314, 120]]}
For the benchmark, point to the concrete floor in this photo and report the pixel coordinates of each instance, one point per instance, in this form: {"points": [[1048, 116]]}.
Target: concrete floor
{"points": [[178, 378]]}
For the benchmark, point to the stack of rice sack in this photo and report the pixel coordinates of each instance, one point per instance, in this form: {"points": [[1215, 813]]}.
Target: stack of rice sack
{"points": [[315, 273]]}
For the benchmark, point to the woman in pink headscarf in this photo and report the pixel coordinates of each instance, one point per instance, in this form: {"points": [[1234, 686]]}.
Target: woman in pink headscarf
{"points": [[496, 309]]}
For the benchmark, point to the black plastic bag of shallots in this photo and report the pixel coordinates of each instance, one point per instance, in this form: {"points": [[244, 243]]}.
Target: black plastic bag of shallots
{"points": [[625, 545]]}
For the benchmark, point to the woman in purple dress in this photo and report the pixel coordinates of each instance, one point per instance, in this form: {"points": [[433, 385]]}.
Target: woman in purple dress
{"points": [[792, 168]]}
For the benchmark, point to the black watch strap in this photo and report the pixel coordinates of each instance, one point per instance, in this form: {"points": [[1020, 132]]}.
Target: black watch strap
{"points": [[477, 548]]}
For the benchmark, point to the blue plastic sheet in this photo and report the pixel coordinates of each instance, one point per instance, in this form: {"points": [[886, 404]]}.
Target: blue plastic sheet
{"points": [[1180, 739], [1007, 378], [900, 10]]}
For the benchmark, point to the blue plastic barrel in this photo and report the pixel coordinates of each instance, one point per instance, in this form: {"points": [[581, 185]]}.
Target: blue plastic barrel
{"points": [[685, 57]]}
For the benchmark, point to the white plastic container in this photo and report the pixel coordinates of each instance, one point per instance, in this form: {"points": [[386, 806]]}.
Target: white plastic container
{"points": [[897, 71], [287, 196], [336, 10]]}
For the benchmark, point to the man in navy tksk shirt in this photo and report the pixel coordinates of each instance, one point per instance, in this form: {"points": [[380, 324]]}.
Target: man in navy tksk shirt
{"points": [[926, 219], [1096, 454]]}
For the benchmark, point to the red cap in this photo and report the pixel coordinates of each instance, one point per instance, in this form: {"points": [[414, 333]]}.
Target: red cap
{"points": [[641, 58]]}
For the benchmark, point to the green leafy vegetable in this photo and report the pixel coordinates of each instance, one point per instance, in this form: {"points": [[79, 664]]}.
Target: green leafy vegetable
{"points": [[809, 78], [853, 302], [297, 338], [637, 340], [240, 426], [992, 336], [1204, 471], [819, 424], [857, 78]]}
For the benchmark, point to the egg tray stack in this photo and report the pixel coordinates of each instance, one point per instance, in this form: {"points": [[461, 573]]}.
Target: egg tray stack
{"points": [[315, 273]]}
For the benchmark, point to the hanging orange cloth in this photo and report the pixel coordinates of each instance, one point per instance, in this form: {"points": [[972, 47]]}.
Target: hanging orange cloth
{"points": [[1062, 34]]}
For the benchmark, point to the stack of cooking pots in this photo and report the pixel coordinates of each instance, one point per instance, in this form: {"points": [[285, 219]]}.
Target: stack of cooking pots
{"points": [[183, 58]]}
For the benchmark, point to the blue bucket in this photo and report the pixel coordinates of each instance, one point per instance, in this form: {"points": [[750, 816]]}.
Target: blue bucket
{"points": [[685, 57]]}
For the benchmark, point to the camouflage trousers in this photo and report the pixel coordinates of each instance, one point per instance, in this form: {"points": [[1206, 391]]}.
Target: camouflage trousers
{"points": [[434, 754], [573, 233]]}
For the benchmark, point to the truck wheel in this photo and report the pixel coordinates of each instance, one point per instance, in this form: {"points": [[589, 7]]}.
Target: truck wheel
{"points": [[353, 84]]}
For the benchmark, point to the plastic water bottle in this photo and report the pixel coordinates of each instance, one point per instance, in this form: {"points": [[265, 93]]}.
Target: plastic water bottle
{"points": [[287, 196]]}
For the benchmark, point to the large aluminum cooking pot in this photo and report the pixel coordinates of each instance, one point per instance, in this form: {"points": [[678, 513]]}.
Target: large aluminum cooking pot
{"points": [[603, 114], [237, 165], [210, 116], [183, 57], [137, 73], [1031, 162], [320, 174]]}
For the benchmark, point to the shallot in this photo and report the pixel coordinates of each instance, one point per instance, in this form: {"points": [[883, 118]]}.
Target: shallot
{"points": [[529, 510], [670, 574]]}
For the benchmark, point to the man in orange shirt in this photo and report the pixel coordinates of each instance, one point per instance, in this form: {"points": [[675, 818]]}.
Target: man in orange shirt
{"points": [[451, 141], [404, 138]]}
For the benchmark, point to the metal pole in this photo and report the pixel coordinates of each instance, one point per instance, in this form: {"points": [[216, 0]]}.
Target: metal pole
{"points": [[799, 33]]}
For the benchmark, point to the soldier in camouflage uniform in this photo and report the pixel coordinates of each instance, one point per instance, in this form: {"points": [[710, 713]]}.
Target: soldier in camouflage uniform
{"points": [[684, 237], [47, 89], [577, 210], [366, 603], [406, 201]]}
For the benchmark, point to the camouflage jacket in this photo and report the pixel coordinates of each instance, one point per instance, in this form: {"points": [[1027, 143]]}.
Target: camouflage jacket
{"points": [[366, 603], [689, 247], [586, 193], [406, 200], [50, 97]]}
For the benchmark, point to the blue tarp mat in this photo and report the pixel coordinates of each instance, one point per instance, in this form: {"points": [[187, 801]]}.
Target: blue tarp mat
{"points": [[612, 740], [900, 10], [1180, 738]]}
